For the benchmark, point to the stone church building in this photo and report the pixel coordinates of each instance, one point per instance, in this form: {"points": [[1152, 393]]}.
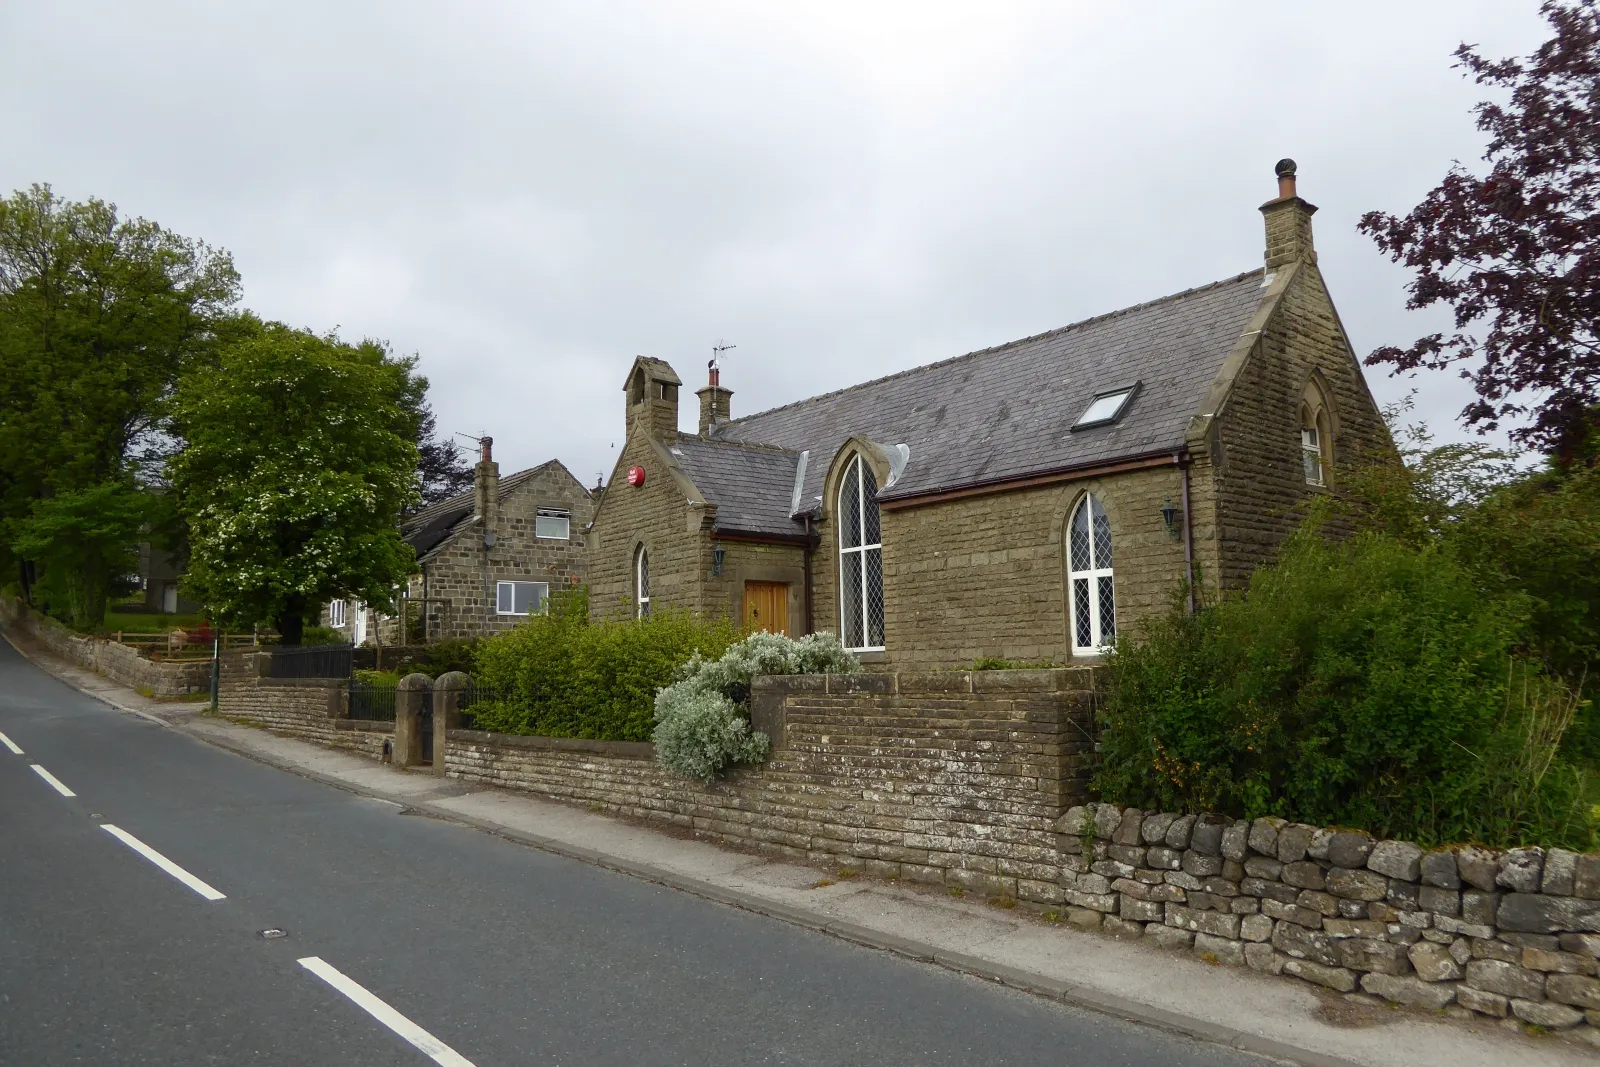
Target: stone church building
{"points": [[1027, 501]]}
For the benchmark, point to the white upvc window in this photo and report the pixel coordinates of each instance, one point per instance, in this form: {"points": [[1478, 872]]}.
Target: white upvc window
{"points": [[860, 560], [641, 583], [520, 598], [336, 613], [553, 523], [1091, 593], [1311, 454]]}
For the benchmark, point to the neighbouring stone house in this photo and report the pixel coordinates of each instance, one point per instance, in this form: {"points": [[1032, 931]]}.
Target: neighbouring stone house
{"points": [[487, 559], [1027, 501]]}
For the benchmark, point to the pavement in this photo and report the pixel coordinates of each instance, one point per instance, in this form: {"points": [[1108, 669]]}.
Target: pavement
{"points": [[605, 942]]}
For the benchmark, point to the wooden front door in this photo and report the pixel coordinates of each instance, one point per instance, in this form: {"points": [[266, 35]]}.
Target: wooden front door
{"points": [[766, 607]]}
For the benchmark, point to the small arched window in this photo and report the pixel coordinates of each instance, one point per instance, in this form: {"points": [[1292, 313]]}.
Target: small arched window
{"points": [[1315, 439], [860, 559], [641, 583], [1089, 580]]}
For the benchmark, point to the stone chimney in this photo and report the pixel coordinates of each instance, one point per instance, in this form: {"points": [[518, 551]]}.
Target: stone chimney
{"points": [[1288, 222], [486, 484], [653, 397], [715, 403]]}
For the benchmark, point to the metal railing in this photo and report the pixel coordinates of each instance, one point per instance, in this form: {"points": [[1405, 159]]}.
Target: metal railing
{"points": [[312, 661], [373, 701], [476, 694]]}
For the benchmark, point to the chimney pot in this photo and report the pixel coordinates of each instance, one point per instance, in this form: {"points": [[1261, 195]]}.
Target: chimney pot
{"points": [[485, 449], [1285, 170]]}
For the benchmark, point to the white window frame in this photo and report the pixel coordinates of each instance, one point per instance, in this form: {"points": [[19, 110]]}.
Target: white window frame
{"points": [[853, 471], [337, 614], [641, 582], [1098, 645], [500, 588], [542, 514]]}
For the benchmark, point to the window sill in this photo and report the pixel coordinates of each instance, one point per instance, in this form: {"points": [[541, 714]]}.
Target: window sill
{"points": [[878, 656]]}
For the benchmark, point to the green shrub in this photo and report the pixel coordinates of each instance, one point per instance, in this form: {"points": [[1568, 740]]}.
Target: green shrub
{"points": [[453, 654], [702, 718], [1368, 683], [559, 675]]}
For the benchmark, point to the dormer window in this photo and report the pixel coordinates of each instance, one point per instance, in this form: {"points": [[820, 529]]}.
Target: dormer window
{"points": [[1106, 407]]}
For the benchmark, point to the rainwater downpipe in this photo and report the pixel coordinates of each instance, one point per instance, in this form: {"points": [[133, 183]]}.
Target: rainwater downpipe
{"points": [[811, 544], [1188, 531]]}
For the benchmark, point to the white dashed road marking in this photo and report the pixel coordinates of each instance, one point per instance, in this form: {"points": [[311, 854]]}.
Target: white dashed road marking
{"points": [[435, 1049], [12, 745], [161, 861], [55, 783]]}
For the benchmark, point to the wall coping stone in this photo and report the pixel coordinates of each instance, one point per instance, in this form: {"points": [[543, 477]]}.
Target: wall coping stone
{"points": [[639, 750]]}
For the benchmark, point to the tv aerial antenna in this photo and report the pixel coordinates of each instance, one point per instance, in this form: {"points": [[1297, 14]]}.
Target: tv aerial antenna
{"points": [[716, 353]]}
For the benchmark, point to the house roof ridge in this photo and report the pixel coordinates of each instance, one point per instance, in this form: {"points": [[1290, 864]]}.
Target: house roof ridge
{"points": [[752, 446], [1092, 320], [438, 507]]}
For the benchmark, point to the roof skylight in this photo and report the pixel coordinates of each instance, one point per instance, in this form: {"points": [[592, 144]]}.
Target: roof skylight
{"points": [[1106, 407]]}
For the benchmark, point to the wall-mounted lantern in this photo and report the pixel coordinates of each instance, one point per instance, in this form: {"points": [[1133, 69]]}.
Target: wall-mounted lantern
{"points": [[716, 558], [1169, 516]]}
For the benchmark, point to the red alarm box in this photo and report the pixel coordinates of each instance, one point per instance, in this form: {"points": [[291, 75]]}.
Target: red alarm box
{"points": [[635, 475]]}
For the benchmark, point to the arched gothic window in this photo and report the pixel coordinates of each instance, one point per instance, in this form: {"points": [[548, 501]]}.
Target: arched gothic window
{"points": [[860, 559], [1089, 580], [1316, 442], [641, 582]]}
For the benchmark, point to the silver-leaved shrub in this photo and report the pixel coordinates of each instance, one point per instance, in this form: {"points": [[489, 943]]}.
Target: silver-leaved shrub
{"points": [[703, 717]]}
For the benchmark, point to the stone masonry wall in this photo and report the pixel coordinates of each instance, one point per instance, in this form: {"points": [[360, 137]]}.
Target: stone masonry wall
{"points": [[1465, 930], [953, 777], [976, 779], [986, 575], [656, 516], [462, 573], [312, 709], [118, 662], [1260, 482]]}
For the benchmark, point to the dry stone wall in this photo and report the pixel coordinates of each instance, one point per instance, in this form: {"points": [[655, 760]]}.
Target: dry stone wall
{"points": [[116, 661], [978, 780], [1501, 934]]}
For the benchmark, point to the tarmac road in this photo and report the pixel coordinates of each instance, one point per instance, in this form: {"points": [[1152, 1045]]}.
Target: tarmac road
{"points": [[409, 940]]}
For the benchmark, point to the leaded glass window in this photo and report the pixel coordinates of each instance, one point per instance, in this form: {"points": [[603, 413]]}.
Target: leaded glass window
{"points": [[860, 560], [1091, 592]]}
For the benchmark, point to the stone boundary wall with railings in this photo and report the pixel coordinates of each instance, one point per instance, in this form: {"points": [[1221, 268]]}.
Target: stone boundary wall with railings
{"points": [[314, 709], [1465, 930], [118, 662], [978, 780]]}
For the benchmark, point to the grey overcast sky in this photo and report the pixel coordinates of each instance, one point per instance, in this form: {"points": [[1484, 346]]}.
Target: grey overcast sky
{"points": [[528, 194]]}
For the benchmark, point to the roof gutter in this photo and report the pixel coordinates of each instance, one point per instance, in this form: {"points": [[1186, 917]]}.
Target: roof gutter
{"points": [[1030, 481], [754, 538]]}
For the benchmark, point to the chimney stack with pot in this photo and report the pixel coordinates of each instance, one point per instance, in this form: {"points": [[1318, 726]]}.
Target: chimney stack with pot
{"points": [[1288, 221]]}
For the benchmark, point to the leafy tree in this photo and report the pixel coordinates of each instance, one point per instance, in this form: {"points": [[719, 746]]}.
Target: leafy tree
{"points": [[1516, 252], [99, 315], [299, 457], [85, 539]]}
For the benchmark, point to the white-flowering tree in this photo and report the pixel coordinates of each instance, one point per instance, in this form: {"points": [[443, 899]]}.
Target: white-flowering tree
{"points": [[299, 455]]}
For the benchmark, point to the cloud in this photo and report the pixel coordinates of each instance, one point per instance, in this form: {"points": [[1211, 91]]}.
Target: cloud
{"points": [[530, 195]]}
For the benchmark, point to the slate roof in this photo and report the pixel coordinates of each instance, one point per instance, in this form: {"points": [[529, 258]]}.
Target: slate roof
{"points": [[752, 486], [437, 523], [1003, 412]]}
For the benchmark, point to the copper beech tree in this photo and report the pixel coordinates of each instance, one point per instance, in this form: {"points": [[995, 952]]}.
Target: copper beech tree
{"points": [[1515, 251]]}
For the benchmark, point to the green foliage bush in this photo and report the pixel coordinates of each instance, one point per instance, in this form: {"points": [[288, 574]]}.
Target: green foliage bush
{"points": [[560, 675], [702, 718], [453, 654], [1370, 682]]}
